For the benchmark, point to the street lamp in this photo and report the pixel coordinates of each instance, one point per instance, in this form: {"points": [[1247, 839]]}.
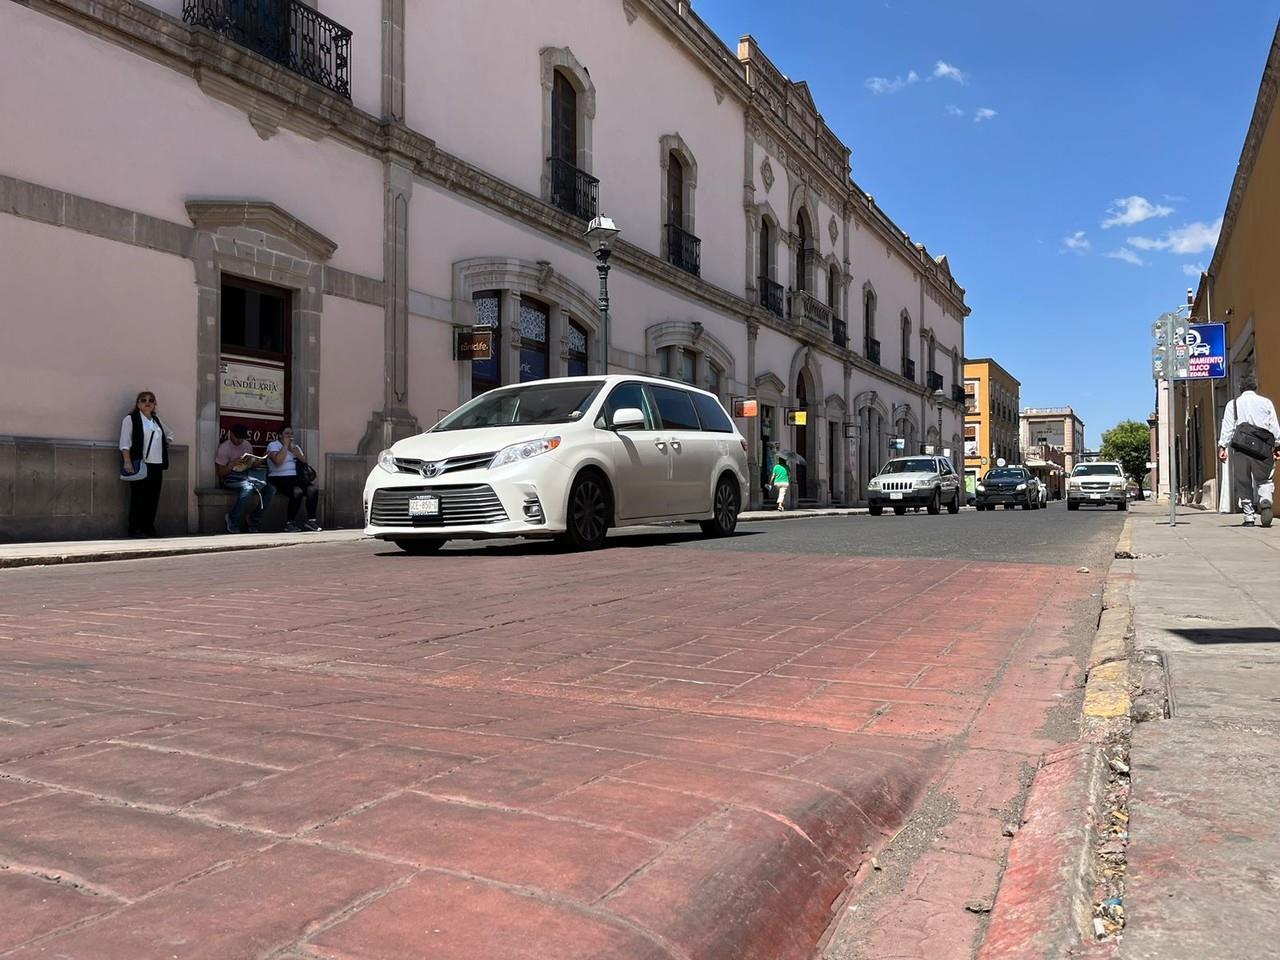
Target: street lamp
{"points": [[938, 397], [600, 236]]}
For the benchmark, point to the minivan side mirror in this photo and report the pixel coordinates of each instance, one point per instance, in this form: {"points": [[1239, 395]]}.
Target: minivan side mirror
{"points": [[628, 418]]}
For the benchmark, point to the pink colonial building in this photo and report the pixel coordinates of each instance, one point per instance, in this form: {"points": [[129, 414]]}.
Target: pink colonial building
{"points": [[272, 213]]}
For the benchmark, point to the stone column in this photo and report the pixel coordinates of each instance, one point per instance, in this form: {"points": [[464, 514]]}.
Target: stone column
{"points": [[754, 493], [393, 60], [510, 319]]}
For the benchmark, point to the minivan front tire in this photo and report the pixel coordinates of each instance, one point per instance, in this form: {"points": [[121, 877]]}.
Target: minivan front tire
{"points": [[419, 547], [724, 510], [589, 511]]}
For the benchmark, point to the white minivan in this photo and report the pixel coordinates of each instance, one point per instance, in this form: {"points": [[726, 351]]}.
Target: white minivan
{"points": [[567, 458]]}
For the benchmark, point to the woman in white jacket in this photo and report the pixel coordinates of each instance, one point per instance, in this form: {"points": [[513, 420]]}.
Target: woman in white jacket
{"points": [[144, 441]]}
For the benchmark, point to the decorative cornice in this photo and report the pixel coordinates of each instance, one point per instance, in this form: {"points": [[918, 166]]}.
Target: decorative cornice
{"points": [[257, 215]]}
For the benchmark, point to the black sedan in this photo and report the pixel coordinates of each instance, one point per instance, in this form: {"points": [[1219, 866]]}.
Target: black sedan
{"points": [[1011, 486]]}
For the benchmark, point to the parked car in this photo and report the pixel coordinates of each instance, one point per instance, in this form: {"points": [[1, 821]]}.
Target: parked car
{"points": [[929, 482], [1011, 487], [1098, 483], [567, 458]]}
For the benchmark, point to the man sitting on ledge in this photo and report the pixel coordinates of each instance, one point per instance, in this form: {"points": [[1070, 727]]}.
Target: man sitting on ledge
{"points": [[236, 464]]}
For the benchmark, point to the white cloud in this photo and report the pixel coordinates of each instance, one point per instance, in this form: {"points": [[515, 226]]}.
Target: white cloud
{"points": [[983, 113], [1190, 238], [944, 70], [1077, 243], [1128, 256], [1193, 269], [954, 111], [1127, 211], [885, 85]]}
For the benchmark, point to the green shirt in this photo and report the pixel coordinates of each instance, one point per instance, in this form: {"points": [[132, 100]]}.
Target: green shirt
{"points": [[780, 474]]}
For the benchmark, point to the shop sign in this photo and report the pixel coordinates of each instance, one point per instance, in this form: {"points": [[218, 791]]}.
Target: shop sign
{"points": [[249, 387], [797, 418], [745, 407], [1202, 354], [475, 344]]}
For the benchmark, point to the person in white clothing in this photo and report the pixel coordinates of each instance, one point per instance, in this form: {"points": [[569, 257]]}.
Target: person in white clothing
{"points": [[283, 472], [144, 440], [1252, 413]]}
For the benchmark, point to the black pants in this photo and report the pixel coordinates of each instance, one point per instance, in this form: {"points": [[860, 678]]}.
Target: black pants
{"points": [[144, 498], [297, 492]]}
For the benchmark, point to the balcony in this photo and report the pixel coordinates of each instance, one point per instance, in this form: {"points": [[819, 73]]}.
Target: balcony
{"points": [[957, 393], [909, 368], [871, 348], [770, 295], [684, 249], [933, 381], [296, 36], [839, 332], [574, 191], [810, 311]]}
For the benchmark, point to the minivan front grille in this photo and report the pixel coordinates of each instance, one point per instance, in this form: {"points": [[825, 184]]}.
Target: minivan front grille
{"points": [[463, 505], [472, 461]]}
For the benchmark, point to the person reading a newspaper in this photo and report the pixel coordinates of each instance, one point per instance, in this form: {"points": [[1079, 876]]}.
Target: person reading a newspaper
{"points": [[1251, 431], [238, 468]]}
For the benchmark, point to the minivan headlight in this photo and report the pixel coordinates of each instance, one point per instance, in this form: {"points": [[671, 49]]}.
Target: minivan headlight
{"points": [[387, 461], [523, 451]]}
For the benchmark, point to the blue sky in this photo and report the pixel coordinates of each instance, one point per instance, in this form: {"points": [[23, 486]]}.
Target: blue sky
{"points": [[1072, 159]]}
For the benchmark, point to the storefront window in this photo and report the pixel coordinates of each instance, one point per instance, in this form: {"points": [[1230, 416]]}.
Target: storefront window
{"points": [[487, 374], [534, 319], [254, 359], [577, 338]]}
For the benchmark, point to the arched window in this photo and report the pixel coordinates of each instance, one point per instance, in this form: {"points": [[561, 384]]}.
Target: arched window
{"points": [[771, 293], [908, 366], [564, 119], [870, 346], [487, 374], [576, 338], [802, 252], [766, 250], [833, 289], [534, 355]]}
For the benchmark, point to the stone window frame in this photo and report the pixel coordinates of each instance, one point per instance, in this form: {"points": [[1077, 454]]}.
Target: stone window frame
{"points": [[256, 240], [668, 144], [513, 278], [765, 215], [904, 319], [835, 287], [561, 58], [691, 336], [870, 301]]}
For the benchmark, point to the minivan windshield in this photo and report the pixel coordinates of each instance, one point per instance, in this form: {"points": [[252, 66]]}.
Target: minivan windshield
{"points": [[532, 403], [912, 465], [1007, 473], [1096, 470]]}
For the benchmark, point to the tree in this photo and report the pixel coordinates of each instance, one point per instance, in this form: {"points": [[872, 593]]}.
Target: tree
{"points": [[1129, 444]]}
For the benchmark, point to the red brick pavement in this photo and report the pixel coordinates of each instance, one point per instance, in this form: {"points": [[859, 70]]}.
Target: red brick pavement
{"points": [[638, 753]]}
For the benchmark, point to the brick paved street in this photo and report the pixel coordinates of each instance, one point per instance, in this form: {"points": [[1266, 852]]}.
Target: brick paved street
{"points": [[670, 751]]}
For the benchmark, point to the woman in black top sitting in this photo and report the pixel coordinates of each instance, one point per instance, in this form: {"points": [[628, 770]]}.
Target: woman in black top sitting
{"points": [[144, 441]]}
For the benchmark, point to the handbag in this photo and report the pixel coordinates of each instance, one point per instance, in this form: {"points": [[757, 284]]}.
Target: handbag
{"points": [[1252, 441], [139, 466], [306, 472]]}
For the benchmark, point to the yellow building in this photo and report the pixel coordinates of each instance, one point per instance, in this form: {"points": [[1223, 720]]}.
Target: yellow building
{"points": [[991, 396], [1242, 289]]}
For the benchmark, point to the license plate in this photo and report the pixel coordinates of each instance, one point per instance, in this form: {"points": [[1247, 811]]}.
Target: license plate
{"points": [[1095, 496], [424, 506], [895, 496]]}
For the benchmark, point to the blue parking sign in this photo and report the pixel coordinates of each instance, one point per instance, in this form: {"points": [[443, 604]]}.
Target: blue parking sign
{"points": [[1206, 353]]}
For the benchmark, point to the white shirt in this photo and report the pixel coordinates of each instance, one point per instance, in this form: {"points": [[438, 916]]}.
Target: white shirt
{"points": [[152, 438], [287, 468], [1248, 408]]}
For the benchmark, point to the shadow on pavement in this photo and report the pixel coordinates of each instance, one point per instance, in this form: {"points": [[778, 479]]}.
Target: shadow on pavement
{"points": [[1211, 635], [520, 548]]}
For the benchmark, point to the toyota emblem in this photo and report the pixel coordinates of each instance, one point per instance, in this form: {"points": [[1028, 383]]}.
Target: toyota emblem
{"points": [[431, 469]]}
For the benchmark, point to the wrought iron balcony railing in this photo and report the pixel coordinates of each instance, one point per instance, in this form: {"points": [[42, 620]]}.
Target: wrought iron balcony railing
{"points": [[684, 249], [908, 368], [574, 191], [809, 310], [871, 348], [292, 34], [770, 295], [839, 332], [957, 393], [933, 380]]}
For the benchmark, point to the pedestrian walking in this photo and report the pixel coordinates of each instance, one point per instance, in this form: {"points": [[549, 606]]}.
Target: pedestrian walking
{"points": [[237, 466], [781, 481], [1251, 431], [291, 475], [144, 450]]}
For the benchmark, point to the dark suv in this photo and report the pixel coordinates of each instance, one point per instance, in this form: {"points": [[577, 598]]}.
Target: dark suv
{"points": [[1011, 486]]}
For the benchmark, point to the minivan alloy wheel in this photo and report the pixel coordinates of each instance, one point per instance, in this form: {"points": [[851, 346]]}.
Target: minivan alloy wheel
{"points": [[724, 510], [588, 513]]}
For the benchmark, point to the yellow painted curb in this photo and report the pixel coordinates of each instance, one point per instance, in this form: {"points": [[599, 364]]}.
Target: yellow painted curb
{"points": [[1106, 696], [1125, 543]]}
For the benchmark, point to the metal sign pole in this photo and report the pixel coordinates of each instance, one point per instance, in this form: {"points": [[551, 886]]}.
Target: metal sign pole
{"points": [[1173, 453]]}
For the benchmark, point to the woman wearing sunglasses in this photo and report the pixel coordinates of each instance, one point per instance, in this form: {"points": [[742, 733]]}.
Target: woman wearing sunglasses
{"points": [[144, 441]]}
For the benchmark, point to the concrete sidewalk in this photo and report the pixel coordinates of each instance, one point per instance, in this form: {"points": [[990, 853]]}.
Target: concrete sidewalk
{"points": [[1204, 838], [93, 551]]}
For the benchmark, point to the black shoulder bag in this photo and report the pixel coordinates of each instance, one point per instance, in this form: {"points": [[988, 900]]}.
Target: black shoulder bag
{"points": [[1252, 441]]}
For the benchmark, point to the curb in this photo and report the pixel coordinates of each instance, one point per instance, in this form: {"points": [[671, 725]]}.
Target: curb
{"points": [[124, 553], [1043, 905]]}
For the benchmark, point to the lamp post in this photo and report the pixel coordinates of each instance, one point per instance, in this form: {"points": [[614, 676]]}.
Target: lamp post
{"points": [[600, 236], [938, 397]]}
